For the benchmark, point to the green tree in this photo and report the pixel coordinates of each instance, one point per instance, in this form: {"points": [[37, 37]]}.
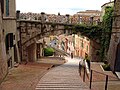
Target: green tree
{"points": [[48, 51]]}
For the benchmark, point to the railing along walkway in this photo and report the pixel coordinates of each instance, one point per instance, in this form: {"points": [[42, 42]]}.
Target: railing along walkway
{"points": [[98, 79]]}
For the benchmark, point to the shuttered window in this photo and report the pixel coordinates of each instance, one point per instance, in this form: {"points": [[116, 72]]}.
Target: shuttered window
{"points": [[7, 7]]}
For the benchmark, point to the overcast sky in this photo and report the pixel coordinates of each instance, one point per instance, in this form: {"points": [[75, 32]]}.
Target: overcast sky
{"points": [[63, 6]]}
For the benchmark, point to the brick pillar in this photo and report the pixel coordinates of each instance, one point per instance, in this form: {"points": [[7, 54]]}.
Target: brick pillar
{"points": [[31, 53]]}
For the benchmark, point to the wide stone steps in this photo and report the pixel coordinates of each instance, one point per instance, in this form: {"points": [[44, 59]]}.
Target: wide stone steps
{"points": [[63, 77], [60, 86]]}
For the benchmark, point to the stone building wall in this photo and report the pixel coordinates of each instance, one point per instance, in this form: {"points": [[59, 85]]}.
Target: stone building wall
{"points": [[3, 59], [115, 37], [11, 33], [94, 47], [12, 8], [8, 39]]}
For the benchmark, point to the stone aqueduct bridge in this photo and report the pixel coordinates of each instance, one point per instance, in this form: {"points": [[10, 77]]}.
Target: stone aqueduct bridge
{"points": [[32, 31]]}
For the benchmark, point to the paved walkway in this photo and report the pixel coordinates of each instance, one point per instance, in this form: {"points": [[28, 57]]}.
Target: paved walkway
{"points": [[26, 76], [64, 77]]}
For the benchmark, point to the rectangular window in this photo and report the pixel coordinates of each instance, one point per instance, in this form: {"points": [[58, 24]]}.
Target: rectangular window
{"points": [[7, 7]]}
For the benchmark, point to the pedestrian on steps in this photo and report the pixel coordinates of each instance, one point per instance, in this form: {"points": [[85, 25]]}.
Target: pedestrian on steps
{"points": [[71, 55]]}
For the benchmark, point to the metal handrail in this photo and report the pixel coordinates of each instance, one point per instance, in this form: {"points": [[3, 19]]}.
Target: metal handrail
{"points": [[106, 81], [91, 76], [102, 73]]}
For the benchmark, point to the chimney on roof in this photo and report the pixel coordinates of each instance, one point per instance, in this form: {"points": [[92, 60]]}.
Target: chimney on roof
{"points": [[18, 14], [59, 14]]}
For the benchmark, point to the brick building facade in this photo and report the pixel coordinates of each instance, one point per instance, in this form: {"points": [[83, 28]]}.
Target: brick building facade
{"points": [[86, 17]]}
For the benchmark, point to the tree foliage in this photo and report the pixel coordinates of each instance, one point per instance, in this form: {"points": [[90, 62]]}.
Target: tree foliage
{"points": [[106, 32], [101, 33], [92, 32], [48, 51]]}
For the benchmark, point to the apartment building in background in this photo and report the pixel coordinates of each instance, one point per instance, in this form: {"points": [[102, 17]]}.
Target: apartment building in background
{"points": [[82, 45], [86, 17]]}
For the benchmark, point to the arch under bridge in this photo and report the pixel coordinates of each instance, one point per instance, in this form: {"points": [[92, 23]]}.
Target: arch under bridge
{"points": [[32, 31]]}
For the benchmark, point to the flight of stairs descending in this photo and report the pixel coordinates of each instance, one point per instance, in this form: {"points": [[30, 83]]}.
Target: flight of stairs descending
{"points": [[60, 86], [63, 77]]}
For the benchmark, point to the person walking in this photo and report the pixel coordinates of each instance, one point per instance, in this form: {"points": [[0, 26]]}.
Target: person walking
{"points": [[71, 55]]}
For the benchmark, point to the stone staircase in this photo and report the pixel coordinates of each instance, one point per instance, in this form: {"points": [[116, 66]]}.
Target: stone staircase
{"points": [[60, 86], [63, 77]]}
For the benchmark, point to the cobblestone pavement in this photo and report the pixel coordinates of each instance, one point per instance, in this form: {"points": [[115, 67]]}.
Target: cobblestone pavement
{"points": [[25, 77], [63, 77]]}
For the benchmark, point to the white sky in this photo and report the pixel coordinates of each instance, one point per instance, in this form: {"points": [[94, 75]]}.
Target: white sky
{"points": [[62, 6]]}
